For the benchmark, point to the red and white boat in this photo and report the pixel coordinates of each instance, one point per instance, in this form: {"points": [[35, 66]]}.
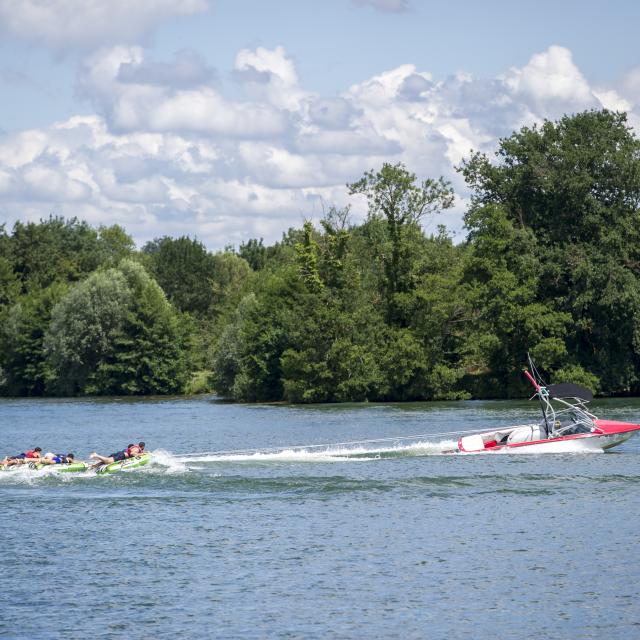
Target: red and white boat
{"points": [[567, 426]]}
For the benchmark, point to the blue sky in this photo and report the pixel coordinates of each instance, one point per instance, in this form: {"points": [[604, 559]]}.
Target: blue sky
{"points": [[227, 119]]}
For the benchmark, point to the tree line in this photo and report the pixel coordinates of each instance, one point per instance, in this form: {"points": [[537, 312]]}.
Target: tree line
{"points": [[344, 311]]}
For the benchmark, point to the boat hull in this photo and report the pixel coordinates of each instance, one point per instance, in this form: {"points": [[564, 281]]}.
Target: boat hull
{"points": [[611, 435]]}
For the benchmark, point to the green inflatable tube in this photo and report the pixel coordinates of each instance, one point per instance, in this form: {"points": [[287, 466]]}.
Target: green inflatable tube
{"points": [[129, 463], [62, 468], [114, 467]]}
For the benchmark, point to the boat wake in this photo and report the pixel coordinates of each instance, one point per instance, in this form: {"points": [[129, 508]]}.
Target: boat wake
{"points": [[323, 453], [170, 463], [166, 463]]}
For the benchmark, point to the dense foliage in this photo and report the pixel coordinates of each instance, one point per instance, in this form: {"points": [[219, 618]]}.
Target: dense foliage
{"points": [[115, 333], [350, 312], [558, 214]]}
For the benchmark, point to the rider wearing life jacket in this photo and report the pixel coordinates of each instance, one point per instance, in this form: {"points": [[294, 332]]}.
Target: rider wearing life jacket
{"points": [[131, 451], [22, 458], [134, 450]]}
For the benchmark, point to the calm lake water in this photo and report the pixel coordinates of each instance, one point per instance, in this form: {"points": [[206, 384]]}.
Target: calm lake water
{"points": [[233, 532]]}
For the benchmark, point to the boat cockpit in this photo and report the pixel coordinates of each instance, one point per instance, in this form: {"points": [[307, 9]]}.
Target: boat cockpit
{"points": [[571, 422]]}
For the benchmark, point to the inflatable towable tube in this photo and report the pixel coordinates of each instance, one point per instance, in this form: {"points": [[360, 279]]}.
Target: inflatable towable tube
{"points": [[129, 463]]}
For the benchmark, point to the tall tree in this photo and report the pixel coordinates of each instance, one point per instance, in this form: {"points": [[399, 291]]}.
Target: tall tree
{"points": [[116, 334], [149, 352], [184, 269], [392, 193], [84, 327]]}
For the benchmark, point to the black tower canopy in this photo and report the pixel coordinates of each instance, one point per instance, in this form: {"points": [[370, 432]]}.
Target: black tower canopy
{"points": [[569, 390]]}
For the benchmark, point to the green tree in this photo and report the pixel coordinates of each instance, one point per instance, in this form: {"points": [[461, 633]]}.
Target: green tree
{"points": [[329, 358], [230, 275], [335, 248], [572, 181], [185, 270], [246, 361], [574, 186], [307, 258], [22, 342], [501, 280], [255, 253], [392, 193], [116, 334], [114, 245], [59, 250], [149, 352], [84, 327], [315, 329], [9, 284]]}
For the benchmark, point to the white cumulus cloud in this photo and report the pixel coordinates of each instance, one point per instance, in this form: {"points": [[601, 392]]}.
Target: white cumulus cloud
{"points": [[134, 96], [269, 75], [551, 81], [169, 153], [63, 24]]}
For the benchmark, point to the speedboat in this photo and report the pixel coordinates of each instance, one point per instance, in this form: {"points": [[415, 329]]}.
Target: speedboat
{"points": [[567, 425]]}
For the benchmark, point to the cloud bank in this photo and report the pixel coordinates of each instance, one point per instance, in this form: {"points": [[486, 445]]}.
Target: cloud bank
{"points": [[167, 151]]}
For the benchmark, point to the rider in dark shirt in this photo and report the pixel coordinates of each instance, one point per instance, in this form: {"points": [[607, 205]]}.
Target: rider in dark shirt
{"points": [[131, 451], [57, 458]]}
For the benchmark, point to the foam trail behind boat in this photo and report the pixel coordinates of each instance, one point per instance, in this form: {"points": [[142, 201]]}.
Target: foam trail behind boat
{"points": [[327, 453]]}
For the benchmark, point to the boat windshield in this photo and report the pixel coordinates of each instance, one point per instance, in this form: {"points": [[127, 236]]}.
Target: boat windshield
{"points": [[571, 422]]}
